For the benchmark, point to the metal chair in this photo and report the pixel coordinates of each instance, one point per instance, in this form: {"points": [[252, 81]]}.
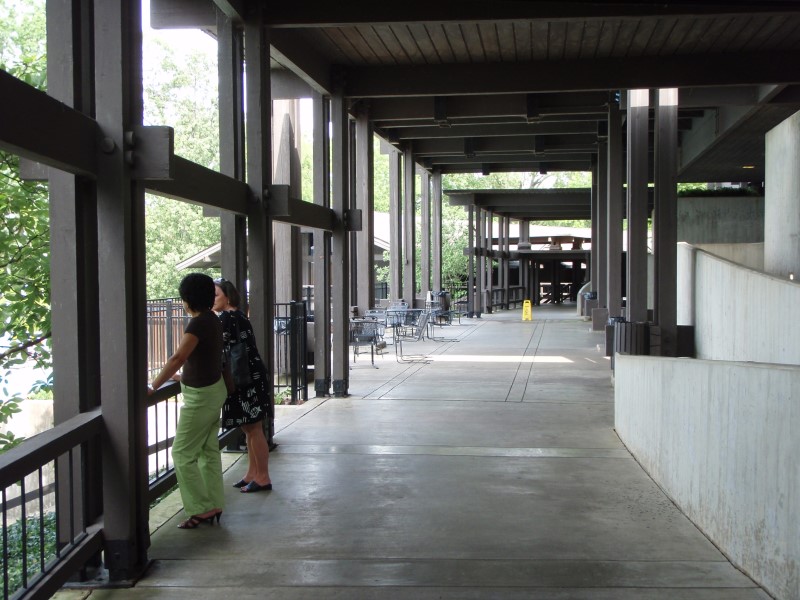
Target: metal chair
{"points": [[412, 330], [366, 333]]}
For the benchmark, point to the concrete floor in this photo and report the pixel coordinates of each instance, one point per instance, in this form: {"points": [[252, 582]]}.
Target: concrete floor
{"points": [[491, 470]]}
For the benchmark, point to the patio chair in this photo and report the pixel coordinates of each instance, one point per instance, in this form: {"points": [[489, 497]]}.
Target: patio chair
{"points": [[367, 333], [413, 330]]}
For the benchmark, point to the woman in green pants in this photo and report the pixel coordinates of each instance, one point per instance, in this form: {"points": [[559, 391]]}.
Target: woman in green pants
{"points": [[195, 451]]}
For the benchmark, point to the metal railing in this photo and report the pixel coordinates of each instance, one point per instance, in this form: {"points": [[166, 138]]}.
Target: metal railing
{"points": [[45, 537], [291, 359], [166, 320]]}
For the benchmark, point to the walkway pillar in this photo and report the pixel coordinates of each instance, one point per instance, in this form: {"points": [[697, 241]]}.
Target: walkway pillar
{"points": [[73, 277], [258, 134], [594, 271], [436, 243], [665, 222], [471, 249], [637, 157], [614, 221], [286, 237], [489, 295], [409, 226], [602, 224], [425, 233], [480, 248], [506, 261], [233, 227], [395, 224], [322, 249], [340, 246], [121, 276], [365, 201]]}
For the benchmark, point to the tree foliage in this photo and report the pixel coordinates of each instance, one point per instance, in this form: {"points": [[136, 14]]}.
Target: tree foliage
{"points": [[181, 93], [24, 221]]}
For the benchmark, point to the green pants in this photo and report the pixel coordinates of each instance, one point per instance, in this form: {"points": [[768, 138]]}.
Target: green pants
{"points": [[195, 451]]}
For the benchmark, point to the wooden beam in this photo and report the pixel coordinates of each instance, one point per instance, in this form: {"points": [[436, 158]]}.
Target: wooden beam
{"points": [[199, 185], [182, 14], [233, 9], [507, 145], [498, 130], [305, 214], [491, 167], [291, 51], [360, 12], [58, 135], [736, 68], [534, 160]]}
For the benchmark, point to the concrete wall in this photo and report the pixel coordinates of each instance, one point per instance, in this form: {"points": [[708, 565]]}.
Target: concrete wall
{"points": [[712, 220], [782, 207], [747, 255], [721, 439], [739, 314]]}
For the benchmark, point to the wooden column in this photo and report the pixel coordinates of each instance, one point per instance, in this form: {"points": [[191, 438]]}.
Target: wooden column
{"points": [[425, 233], [409, 227], [602, 229], [595, 222], [340, 252], [615, 200], [471, 249], [637, 158], [365, 201], [233, 228], [489, 233], [73, 269], [506, 261], [322, 250], [436, 244], [480, 247], [286, 237], [665, 227], [121, 276], [395, 225], [259, 175]]}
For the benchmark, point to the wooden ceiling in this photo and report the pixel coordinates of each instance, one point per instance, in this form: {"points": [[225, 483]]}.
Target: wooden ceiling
{"points": [[509, 85]]}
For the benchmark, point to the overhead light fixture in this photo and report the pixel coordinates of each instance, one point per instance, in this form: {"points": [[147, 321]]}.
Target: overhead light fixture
{"points": [[748, 166]]}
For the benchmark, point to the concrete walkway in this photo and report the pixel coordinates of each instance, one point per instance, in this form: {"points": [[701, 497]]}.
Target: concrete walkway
{"points": [[491, 470]]}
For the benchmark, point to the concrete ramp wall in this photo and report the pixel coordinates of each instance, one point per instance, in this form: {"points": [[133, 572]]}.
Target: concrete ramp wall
{"points": [[721, 439], [739, 314]]}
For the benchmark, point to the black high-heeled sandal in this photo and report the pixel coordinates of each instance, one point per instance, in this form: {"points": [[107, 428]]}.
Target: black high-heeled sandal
{"points": [[195, 521], [240, 484]]}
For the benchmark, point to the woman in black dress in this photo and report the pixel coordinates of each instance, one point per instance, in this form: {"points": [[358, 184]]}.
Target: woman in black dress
{"points": [[247, 406]]}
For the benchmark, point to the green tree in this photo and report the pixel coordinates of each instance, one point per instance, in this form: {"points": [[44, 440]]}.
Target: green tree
{"points": [[24, 222], [180, 92]]}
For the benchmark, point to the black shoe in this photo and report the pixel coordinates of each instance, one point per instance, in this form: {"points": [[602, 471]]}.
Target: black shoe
{"points": [[254, 487], [241, 483]]}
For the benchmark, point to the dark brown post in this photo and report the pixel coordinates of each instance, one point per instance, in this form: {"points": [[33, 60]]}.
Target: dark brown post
{"points": [[259, 176], [666, 220], [425, 233], [322, 250], [233, 228], [365, 201], [436, 244], [409, 226], [340, 254], [637, 157], [73, 268], [121, 277], [395, 225]]}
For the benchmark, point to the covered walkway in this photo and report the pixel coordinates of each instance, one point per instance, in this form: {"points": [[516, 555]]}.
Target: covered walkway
{"points": [[490, 471]]}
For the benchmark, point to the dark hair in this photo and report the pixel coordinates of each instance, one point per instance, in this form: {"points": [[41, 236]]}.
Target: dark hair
{"points": [[197, 290], [229, 290]]}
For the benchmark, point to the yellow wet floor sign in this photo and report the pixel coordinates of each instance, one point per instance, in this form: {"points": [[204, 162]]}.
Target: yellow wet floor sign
{"points": [[526, 311]]}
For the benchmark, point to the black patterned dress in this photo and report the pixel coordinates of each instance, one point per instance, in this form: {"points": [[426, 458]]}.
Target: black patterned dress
{"points": [[248, 404]]}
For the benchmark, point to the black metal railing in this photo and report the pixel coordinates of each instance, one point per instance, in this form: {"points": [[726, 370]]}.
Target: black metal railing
{"points": [[46, 538], [166, 320], [290, 362]]}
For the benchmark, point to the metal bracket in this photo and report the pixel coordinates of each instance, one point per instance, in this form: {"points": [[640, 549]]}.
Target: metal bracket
{"points": [[352, 219]]}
